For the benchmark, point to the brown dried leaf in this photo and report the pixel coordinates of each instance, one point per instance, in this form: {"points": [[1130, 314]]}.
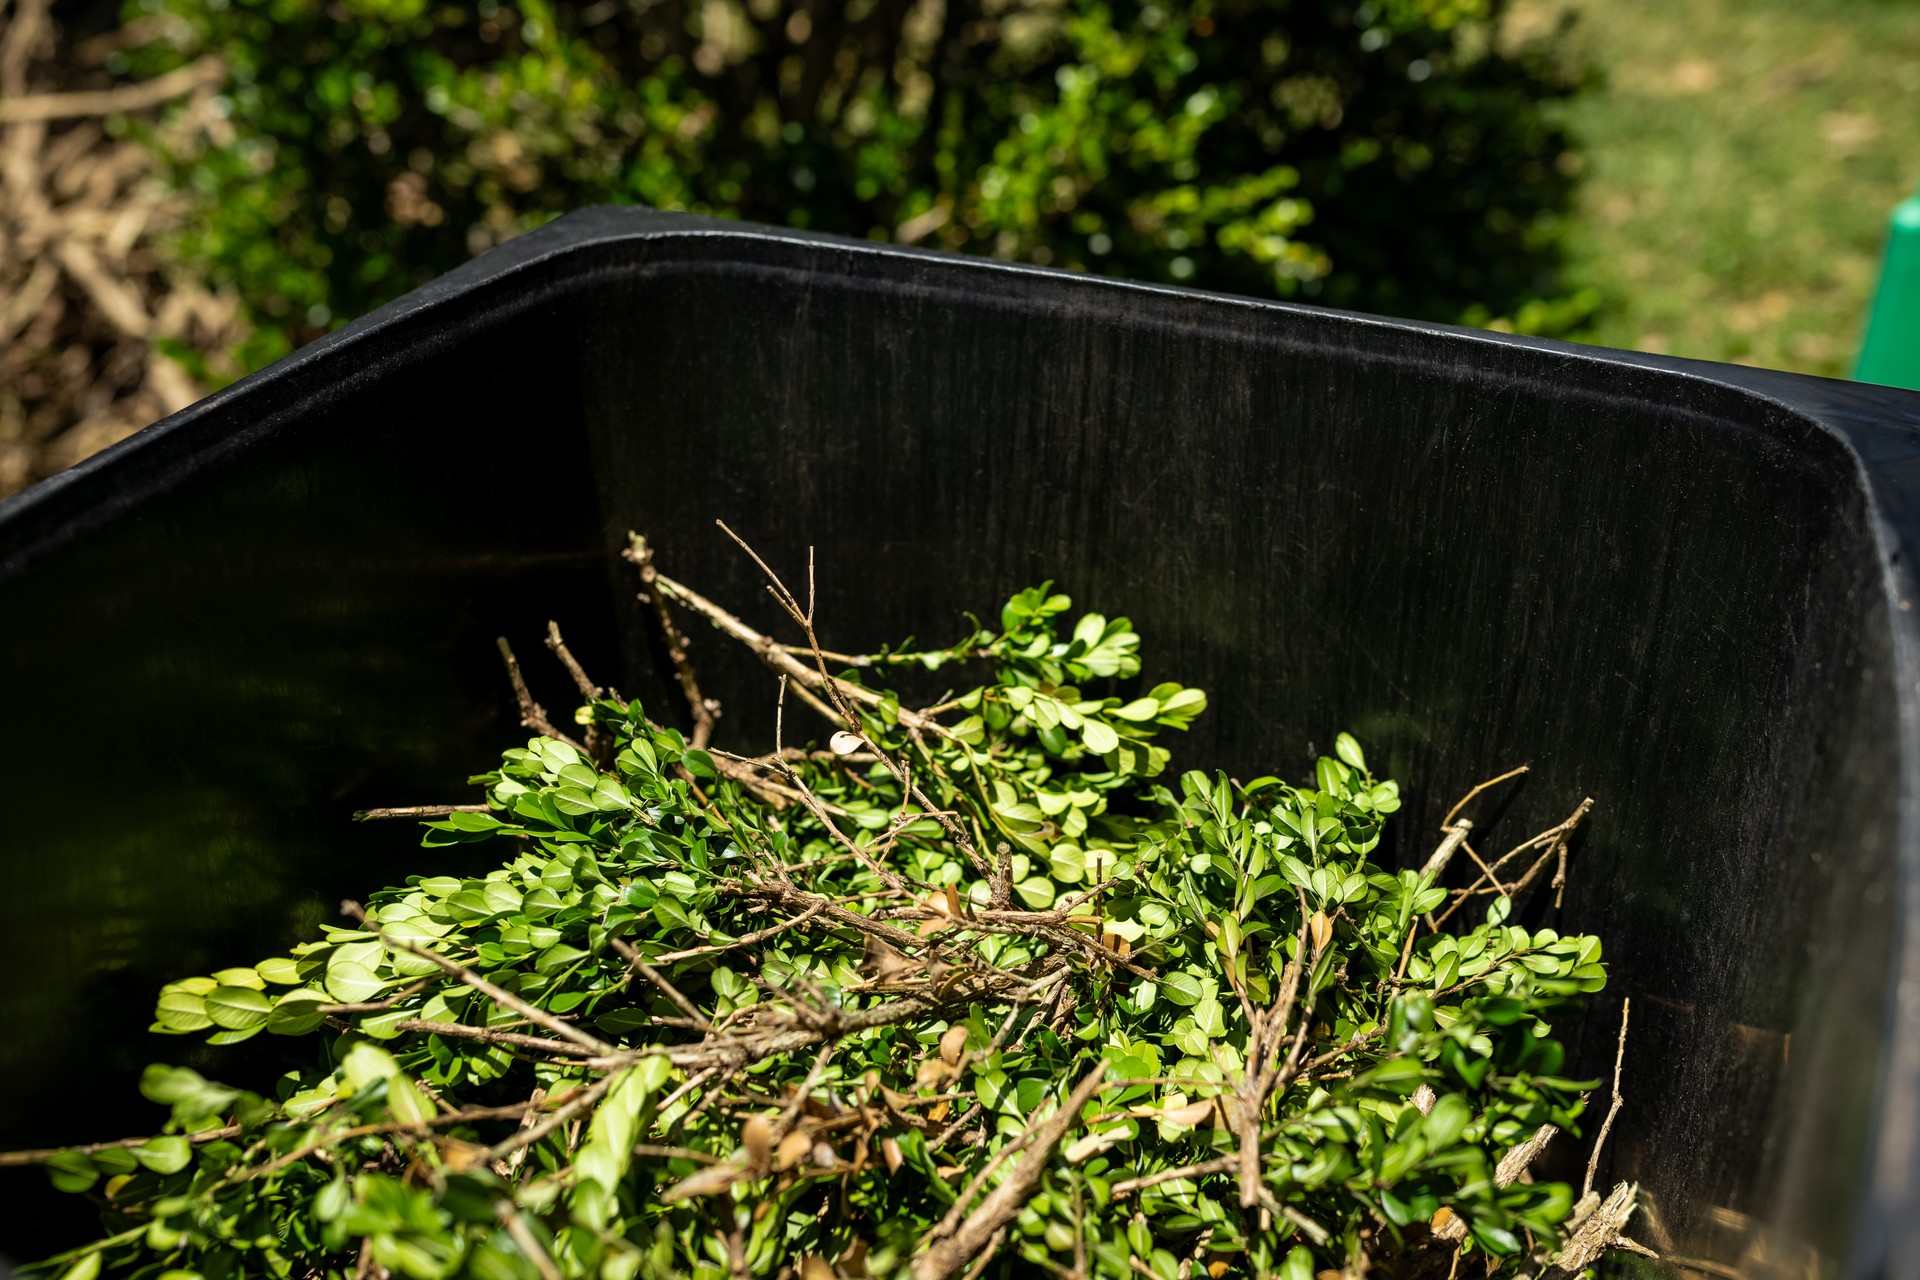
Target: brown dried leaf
{"points": [[1191, 1115], [953, 1043], [890, 1152], [938, 902], [792, 1147], [457, 1156], [708, 1182], [886, 962], [756, 1139], [1322, 930]]}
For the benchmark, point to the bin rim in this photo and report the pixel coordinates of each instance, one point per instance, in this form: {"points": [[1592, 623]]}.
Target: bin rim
{"points": [[1827, 404]]}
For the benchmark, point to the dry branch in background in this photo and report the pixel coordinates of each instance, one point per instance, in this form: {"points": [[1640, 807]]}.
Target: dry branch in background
{"points": [[86, 296]]}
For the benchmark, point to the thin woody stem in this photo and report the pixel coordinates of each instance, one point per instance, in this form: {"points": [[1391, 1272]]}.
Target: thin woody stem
{"points": [[659, 980], [703, 709], [532, 715], [42, 1155], [588, 689], [418, 811], [1606, 1126]]}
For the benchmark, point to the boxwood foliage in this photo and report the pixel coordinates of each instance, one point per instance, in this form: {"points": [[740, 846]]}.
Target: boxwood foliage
{"points": [[1391, 155], [988, 984]]}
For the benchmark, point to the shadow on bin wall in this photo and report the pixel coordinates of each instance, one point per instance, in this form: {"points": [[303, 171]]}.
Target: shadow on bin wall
{"points": [[1660, 584]]}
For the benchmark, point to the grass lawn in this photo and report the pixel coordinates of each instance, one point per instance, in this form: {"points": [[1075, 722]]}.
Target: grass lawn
{"points": [[1740, 161]]}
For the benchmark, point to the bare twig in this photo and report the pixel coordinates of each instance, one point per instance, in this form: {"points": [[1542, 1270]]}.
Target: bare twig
{"points": [[1516, 1161], [841, 693], [960, 1122], [577, 1104], [588, 689], [969, 1241], [1003, 877], [460, 1031], [799, 1101], [693, 1082], [704, 710], [532, 715], [745, 939], [1553, 840], [1314, 1231], [42, 1155], [536, 1103], [1468, 798], [418, 811], [659, 980], [1600, 1232], [782, 660], [1456, 835], [209, 70], [468, 1115], [1266, 1034], [510, 1218], [1606, 1126], [1130, 1185], [674, 1153], [596, 741]]}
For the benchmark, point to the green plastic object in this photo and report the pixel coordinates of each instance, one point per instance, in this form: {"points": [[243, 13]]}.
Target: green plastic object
{"points": [[1890, 353]]}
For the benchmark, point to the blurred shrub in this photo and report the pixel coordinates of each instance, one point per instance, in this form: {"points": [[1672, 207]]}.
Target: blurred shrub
{"points": [[1389, 155]]}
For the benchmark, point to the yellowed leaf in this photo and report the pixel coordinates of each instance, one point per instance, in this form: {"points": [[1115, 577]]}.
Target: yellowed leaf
{"points": [[1322, 930]]}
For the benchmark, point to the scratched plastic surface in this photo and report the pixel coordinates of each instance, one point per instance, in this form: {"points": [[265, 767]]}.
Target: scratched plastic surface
{"points": [[1678, 588]]}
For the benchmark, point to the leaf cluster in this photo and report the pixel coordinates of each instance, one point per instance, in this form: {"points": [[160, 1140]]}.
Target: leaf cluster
{"points": [[1395, 155], [984, 978]]}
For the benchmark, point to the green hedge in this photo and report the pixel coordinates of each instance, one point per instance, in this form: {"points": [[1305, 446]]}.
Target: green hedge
{"points": [[1389, 156]]}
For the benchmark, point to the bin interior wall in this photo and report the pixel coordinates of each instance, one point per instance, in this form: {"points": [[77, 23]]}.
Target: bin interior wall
{"points": [[1656, 592]]}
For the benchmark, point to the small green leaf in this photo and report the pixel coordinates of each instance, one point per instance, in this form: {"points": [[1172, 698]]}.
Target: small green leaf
{"points": [[1098, 738], [164, 1155], [1036, 892], [1348, 749], [237, 1008], [86, 1266], [1447, 1121], [296, 1013], [351, 983], [281, 972], [179, 1010], [71, 1171]]}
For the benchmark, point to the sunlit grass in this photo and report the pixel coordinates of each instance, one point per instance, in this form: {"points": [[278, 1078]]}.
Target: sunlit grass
{"points": [[1741, 158]]}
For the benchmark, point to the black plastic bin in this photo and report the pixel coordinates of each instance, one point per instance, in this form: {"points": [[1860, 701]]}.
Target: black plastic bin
{"points": [[1679, 588]]}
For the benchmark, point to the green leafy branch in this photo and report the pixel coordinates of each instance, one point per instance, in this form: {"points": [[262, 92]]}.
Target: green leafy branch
{"points": [[980, 984]]}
